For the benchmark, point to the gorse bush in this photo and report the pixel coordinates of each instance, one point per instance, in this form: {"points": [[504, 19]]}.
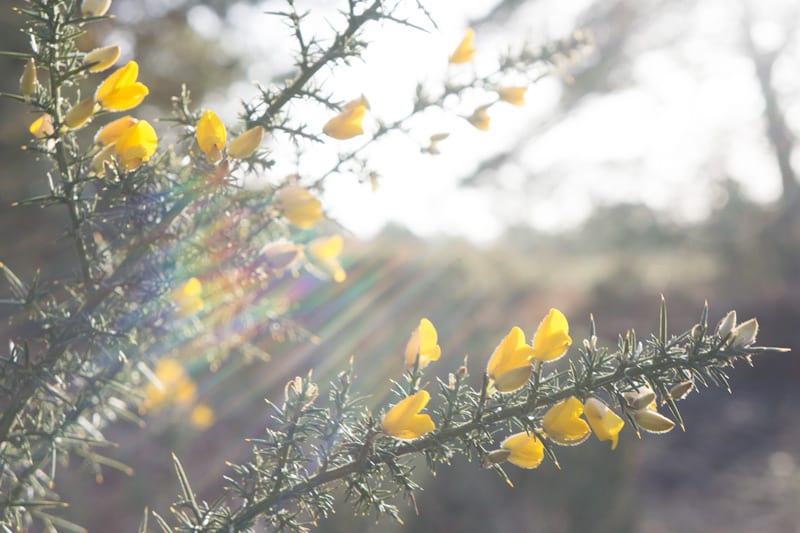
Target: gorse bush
{"points": [[176, 251]]}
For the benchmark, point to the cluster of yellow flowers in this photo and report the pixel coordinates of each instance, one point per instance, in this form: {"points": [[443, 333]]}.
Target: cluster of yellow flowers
{"points": [[510, 368], [170, 384]]}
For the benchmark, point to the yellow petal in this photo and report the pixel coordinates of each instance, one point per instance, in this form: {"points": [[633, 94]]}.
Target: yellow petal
{"points": [[480, 118], [510, 363], [422, 345], [109, 133], [512, 95], [102, 59], [347, 124], [403, 421], [120, 91], [464, 52], [563, 424], [211, 136], [326, 247], [136, 145], [299, 206], [552, 337], [79, 114], [527, 451], [604, 422], [247, 143]]}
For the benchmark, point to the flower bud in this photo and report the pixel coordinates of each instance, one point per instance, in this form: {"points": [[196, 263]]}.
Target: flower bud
{"points": [[95, 8], [652, 421], [79, 114], [641, 399], [27, 83], [681, 390], [726, 324], [697, 333], [745, 333], [246, 144], [102, 59]]}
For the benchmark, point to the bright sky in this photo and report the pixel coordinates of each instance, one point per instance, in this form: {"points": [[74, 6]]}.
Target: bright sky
{"points": [[690, 115]]}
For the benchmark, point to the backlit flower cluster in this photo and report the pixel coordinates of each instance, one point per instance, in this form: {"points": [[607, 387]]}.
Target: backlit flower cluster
{"points": [[567, 422]]}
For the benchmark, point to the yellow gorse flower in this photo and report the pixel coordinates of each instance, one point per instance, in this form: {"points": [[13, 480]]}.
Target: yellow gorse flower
{"points": [[464, 52], [480, 118], [246, 144], [347, 124], [512, 95], [120, 91], [604, 422], [95, 8], [101, 59], [423, 345], [79, 114], [188, 298], [563, 425], [527, 451], [552, 339], [173, 385], [325, 252], [27, 83], [112, 131], [404, 421], [299, 206], [510, 364], [42, 126], [202, 417], [211, 136], [136, 145]]}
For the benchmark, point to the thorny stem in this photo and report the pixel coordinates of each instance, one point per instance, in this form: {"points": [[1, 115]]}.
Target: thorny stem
{"points": [[354, 24], [433, 440]]}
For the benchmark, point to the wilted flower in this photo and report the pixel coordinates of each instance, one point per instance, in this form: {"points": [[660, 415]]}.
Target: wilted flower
{"points": [[101, 59], [422, 347], [552, 337], [433, 147], [211, 136], [527, 451], [136, 145], [325, 252], [42, 126], [27, 83], [403, 421], [563, 425], [299, 206], [681, 390], [120, 91], [79, 114], [510, 364], [347, 124], [464, 52], [604, 422], [642, 408], [512, 95], [247, 143]]}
